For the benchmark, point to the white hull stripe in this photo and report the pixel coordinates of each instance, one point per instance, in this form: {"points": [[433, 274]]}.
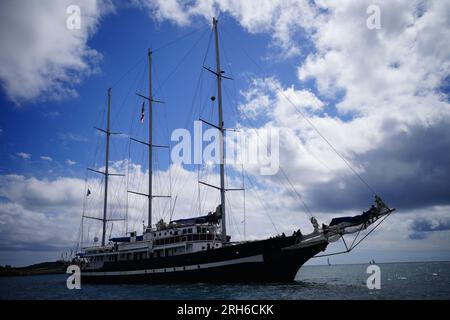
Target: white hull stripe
{"points": [[257, 258]]}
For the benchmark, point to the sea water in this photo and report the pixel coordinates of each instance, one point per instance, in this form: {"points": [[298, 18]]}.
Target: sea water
{"points": [[417, 280]]}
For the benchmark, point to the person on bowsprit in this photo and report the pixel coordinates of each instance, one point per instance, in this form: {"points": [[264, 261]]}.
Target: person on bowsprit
{"points": [[315, 224], [325, 229]]}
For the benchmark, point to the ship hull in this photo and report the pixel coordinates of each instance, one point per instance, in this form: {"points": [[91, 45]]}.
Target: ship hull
{"points": [[268, 260]]}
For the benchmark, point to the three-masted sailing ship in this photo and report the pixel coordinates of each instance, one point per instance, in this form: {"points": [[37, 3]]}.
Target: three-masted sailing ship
{"points": [[199, 248]]}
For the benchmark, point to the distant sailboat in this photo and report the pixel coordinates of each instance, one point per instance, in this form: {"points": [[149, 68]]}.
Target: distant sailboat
{"points": [[328, 261]]}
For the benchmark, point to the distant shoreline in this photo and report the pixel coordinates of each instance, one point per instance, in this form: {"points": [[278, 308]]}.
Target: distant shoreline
{"points": [[57, 267]]}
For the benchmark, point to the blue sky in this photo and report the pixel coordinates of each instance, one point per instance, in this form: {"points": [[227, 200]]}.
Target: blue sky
{"points": [[60, 129], [379, 96]]}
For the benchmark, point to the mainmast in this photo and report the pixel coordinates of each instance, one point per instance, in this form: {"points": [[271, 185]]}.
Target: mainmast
{"points": [[222, 131], [150, 138], [149, 144], [105, 200]]}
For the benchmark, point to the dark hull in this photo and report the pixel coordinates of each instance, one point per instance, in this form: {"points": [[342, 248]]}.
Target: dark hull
{"points": [[261, 261]]}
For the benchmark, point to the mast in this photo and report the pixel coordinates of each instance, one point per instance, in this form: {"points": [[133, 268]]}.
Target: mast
{"points": [[105, 200], [221, 129], [150, 139]]}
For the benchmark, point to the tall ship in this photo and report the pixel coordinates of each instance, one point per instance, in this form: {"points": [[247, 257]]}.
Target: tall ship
{"points": [[199, 248]]}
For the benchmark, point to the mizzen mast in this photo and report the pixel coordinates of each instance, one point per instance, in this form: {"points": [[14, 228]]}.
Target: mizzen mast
{"points": [[149, 144]]}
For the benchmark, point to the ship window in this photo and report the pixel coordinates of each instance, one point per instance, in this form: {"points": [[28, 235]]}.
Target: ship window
{"points": [[184, 231], [190, 230]]}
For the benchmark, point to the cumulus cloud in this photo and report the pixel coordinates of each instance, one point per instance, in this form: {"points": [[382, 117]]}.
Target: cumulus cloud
{"points": [[41, 58], [283, 19], [46, 158], [421, 227], [70, 162]]}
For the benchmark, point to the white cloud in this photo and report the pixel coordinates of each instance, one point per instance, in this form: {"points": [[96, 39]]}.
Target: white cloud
{"points": [[45, 215], [46, 158], [71, 137], [41, 58], [394, 70], [23, 155], [70, 162], [280, 18]]}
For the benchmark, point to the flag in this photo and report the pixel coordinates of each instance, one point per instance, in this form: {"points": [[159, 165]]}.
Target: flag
{"points": [[142, 112], [88, 193]]}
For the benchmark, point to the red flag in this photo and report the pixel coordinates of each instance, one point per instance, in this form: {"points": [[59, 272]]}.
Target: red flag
{"points": [[142, 112]]}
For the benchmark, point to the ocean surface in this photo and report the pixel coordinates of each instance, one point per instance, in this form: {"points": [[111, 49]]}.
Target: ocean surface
{"points": [[424, 280]]}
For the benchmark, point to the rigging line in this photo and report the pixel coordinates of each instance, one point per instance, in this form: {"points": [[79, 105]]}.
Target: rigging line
{"points": [[132, 84], [128, 179], [308, 211], [373, 229], [298, 195], [129, 70], [191, 109], [180, 62], [198, 187], [261, 202], [232, 220], [169, 43], [310, 123], [357, 235], [353, 247]]}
